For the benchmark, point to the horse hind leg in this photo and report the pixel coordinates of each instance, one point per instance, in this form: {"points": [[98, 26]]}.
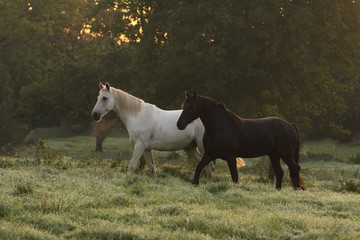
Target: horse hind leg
{"points": [[150, 161], [297, 159], [301, 182], [271, 172], [275, 162], [294, 170]]}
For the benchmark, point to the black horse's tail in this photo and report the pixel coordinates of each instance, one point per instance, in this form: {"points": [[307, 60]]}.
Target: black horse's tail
{"points": [[296, 155], [297, 150]]}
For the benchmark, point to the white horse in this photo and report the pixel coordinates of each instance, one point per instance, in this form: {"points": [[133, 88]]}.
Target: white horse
{"points": [[150, 127]]}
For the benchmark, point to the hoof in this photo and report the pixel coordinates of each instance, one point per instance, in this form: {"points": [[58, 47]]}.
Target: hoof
{"points": [[195, 184]]}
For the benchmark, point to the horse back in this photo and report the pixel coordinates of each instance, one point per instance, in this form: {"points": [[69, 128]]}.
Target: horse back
{"points": [[253, 137], [159, 131], [274, 135]]}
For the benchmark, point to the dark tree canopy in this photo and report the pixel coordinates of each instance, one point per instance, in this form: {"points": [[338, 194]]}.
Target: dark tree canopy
{"points": [[295, 59]]}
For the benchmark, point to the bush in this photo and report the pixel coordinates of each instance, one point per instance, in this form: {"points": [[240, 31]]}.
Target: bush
{"points": [[5, 163], [348, 186], [23, 188], [355, 159], [37, 134], [326, 157], [45, 154], [218, 187]]}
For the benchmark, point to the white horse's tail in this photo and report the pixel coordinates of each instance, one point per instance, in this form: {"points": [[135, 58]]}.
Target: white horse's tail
{"points": [[240, 162]]}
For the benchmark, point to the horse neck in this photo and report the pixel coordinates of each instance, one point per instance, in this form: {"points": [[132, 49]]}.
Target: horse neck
{"points": [[126, 105], [214, 115], [207, 113]]}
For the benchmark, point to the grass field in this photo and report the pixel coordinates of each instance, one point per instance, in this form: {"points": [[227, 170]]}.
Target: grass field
{"points": [[66, 191]]}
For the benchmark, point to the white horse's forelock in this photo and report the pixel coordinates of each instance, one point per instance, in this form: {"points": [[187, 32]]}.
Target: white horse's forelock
{"points": [[127, 101]]}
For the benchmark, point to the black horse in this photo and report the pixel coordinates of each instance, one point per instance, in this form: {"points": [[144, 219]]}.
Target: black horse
{"points": [[228, 136]]}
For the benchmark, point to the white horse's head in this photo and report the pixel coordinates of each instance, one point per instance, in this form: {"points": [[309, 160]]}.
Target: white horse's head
{"points": [[105, 102]]}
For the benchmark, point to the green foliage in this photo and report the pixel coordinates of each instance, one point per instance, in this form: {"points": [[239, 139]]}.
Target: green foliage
{"points": [[218, 188], [37, 37], [22, 187], [5, 163], [293, 59], [9, 130], [260, 57], [355, 159], [37, 134], [43, 153]]}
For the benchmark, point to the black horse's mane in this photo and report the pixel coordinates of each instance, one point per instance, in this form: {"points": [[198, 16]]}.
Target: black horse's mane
{"points": [[221, 105]]}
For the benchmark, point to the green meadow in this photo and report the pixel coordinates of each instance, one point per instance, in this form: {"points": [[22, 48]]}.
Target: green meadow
{"points": [[64, 190]]}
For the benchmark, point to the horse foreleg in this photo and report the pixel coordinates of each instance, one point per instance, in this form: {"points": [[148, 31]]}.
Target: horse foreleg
{"points": [[206, 159], [210, 168], [195, 156], [138, 151], [150, 161]]}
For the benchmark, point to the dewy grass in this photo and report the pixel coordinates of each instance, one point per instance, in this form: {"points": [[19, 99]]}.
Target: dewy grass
{"points": [[95, 199]]}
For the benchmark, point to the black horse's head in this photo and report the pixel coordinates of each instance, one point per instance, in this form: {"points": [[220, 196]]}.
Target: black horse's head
{"points": [[190, 111]]}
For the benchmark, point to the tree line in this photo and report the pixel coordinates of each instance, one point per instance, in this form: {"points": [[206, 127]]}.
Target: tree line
{"points": [[295, 59]]}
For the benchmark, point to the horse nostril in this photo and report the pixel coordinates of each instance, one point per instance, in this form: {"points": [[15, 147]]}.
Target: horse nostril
{"points": [[180, 126], [96, 116]]}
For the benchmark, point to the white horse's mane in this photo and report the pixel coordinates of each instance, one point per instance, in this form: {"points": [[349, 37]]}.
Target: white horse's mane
{"points": [[127, 101]]}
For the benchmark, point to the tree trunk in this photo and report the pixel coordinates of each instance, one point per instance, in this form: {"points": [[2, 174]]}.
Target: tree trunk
{"points": [[66, 127], [102, 130]]}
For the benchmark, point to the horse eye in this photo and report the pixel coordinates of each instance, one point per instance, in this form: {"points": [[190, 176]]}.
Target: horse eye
{"points": [[104, 98]]}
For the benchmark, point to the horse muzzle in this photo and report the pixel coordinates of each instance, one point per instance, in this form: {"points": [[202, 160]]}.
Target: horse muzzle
{"points": [[96, 116], [180, 125]]}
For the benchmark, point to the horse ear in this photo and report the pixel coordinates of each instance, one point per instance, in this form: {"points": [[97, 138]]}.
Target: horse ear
{"points": [[101, 85], [190, 93], [107, 86]]}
